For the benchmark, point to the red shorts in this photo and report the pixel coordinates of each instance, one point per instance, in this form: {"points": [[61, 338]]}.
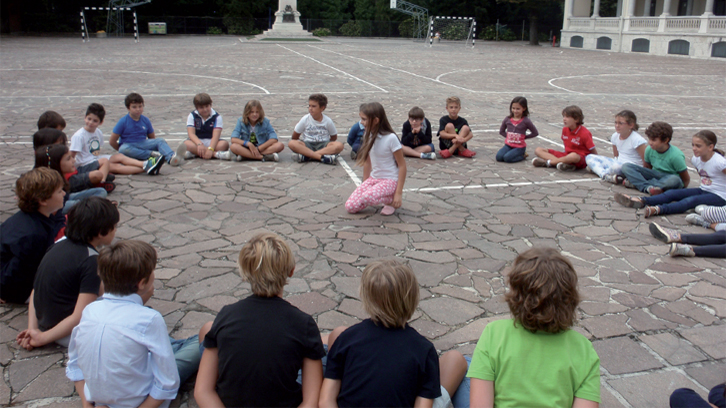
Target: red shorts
{"points": [[580, 165]]}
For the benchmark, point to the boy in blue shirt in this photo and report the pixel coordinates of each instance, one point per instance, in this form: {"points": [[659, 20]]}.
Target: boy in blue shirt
{"points": [[120, 353], [134, 136]]}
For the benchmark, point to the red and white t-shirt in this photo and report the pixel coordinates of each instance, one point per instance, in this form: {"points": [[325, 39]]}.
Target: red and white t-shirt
{"points": [[579, 141]]}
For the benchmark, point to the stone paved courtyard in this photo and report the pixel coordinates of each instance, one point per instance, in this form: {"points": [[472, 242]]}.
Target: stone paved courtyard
{"points": [[656, 322]]}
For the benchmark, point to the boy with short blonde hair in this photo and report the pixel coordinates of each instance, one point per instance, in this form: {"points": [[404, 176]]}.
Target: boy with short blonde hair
{"points": [[454, 131], [382, 361], [204, 129], [537, 347], [25, 236], [263, 339], [120, 353]]}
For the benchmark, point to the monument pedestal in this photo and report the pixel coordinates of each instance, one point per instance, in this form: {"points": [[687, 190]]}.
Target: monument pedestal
{"points": [[287, 22]]}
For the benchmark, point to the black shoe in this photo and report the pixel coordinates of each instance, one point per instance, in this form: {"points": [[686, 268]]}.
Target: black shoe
{"points": [[110, 177]]}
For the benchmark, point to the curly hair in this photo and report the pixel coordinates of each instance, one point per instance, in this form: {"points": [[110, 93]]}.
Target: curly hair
{"points": [[659, 130], [35, 186], [543, 291]]}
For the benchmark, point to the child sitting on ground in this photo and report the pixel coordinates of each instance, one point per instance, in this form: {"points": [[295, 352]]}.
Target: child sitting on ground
{"points": [[86, 146], [67, 278], [133, 136], [315, 136], [514, 130], [253, 138], [664, 166], [628, 147], [204, 128], [51, 119], [537, 347], [711, 166], [383, 361], [355, 136], [416, 136], [25, 236], [77, 187], [120, 353], [454, 131], [261, 339], [578, 144]]}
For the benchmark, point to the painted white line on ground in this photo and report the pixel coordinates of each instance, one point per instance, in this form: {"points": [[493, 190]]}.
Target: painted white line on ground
{"points": [[173, 95], [550, 141], [333, 68], [140, 72], [393, 69], [496, 185], [550, 82], [350, 171]]}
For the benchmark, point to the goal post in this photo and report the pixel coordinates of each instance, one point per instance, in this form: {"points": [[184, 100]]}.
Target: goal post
{"points": [[452, 29], [111, 10]]}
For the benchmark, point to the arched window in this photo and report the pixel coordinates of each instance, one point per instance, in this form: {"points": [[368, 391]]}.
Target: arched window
{"points": [[641, 45], [719, 49], [576, 41], [679, 47], [604, 43]]}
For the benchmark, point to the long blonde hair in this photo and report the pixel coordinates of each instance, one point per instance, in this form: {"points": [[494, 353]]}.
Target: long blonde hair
{"points": [[372, 111]]}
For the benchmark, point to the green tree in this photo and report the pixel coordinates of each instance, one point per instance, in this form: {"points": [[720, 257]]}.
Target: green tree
{"points": [[534, 8]]}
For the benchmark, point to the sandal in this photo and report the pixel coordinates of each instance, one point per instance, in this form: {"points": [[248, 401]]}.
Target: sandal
{"points": [[628, 201]]}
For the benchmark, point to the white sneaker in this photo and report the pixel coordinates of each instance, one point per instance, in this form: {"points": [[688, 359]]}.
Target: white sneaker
{"points": [[697, 219], [227, 155], [699, 208], [271, 157], [428, 156], [178, 158], [189, 155]]}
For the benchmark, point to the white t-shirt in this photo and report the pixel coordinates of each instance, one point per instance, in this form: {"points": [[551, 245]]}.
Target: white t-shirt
{"points": [[313, 131], [217, 123], [713, 179], [627, 152], [383, 164], [86, 145]]}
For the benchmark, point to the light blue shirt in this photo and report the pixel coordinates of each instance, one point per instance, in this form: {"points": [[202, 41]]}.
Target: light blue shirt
{"points": [[133, 131], [122, 350]]}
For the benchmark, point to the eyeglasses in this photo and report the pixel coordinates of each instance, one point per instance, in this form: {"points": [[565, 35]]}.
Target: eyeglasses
{"points": [[621, 123]]}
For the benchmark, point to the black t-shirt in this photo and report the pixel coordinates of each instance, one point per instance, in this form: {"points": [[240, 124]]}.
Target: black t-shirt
{"points": [[380, 367], [262, 343], [445, 120], [67, 270]]}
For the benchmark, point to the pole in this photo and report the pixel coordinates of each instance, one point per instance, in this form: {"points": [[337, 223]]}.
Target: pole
{"points": [[497, 35]]}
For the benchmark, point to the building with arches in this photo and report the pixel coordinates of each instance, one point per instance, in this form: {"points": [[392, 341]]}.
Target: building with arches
{"points": [[695, 28]]}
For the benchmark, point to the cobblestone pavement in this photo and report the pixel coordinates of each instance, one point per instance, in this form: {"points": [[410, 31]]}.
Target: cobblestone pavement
{"points": [[655, 321]]}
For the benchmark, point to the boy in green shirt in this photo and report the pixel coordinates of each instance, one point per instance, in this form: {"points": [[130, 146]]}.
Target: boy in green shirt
{"points": [[535, 358]]}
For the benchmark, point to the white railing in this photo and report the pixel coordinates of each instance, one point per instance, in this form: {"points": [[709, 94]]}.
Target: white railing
{"points": [[717, 24], [608, 23], [580, 22], [644, 23], [682, 24]]}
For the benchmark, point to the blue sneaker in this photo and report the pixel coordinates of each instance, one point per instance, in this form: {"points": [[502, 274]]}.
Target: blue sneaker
{"points": [[329, 159]]}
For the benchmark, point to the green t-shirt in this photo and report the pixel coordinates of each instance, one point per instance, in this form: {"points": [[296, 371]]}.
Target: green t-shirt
{"points": [[672, 161], [536, 369]]}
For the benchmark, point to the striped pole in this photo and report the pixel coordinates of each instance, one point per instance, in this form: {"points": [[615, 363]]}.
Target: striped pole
{"points": [[83, 27], [136, 28]]}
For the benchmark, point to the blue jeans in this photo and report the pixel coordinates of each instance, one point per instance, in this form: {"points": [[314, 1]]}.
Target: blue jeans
{"points": [[460, 399], [187, 355], [142, 150], [509, 154], [682, 200], [643, 178], [74, 198]]}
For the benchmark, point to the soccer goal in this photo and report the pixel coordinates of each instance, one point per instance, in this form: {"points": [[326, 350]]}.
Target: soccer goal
{"points": [[115, 21], [452, 29]]}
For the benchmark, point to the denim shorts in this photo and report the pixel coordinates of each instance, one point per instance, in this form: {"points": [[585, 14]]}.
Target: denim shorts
{"points": [[87, 168], [315, 146]]}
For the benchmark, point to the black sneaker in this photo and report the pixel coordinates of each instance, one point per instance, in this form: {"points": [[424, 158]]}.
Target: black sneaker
{"points": [[110, 177], [154, 168]]}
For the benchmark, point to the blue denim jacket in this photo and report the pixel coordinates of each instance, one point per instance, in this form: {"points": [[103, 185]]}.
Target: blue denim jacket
{"points": [[355, 136], [263, 131]]}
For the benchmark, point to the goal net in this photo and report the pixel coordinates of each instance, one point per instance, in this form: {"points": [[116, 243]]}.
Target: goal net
{"points": [[452, 29]]}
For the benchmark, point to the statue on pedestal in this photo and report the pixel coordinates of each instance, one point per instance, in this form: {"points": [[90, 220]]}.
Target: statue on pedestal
{"points": [[287, 21]]}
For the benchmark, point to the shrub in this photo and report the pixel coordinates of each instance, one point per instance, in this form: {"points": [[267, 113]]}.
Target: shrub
{"points": [[406, 28], [321, 32], [214, 31], [506, 34], [454, 32], [350, 29], [238, 26]]}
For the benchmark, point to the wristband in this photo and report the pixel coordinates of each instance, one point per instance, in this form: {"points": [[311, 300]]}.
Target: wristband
{"points": [[210, 148]]}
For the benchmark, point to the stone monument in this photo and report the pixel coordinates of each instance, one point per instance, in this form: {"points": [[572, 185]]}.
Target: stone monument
{"points": [[287, 21]]}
